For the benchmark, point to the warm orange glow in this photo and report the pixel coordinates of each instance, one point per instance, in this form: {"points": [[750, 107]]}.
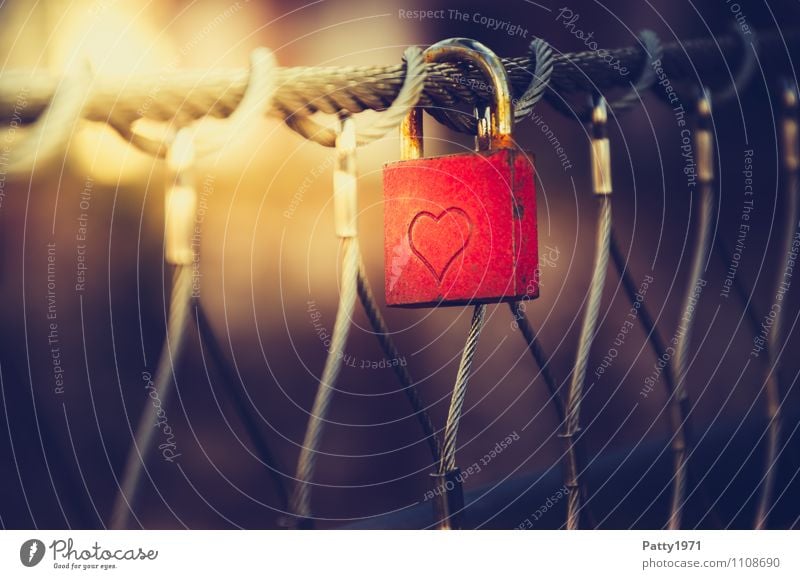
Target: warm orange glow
{"points": [[112, 38]]}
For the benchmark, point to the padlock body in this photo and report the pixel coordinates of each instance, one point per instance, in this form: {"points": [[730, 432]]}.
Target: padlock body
{"points": [[460, 229]]}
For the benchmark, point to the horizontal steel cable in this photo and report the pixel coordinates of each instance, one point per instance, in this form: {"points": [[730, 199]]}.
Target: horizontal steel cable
{"points": [[194, 94]]}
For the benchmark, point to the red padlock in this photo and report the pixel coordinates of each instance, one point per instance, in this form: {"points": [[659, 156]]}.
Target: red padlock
{"points": [[461, 229]]}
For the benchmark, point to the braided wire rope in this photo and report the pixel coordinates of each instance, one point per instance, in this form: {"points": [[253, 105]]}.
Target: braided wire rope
{"points": [[387, 120], [723, 252], [194, 94], [681, 441], [748, 46], [543, 54], [529, 334], [52, 130], [300, 504], [747, 69], [541, 358], [449, 445], [681, 359], [678, 414], [652, 51], [256, 100]]}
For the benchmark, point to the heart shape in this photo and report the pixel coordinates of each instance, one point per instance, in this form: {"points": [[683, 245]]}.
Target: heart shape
{"points": [[437, 240]]}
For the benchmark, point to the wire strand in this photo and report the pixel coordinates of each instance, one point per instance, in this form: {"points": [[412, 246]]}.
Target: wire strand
{"points": [[569, 457], [776, 334], [588, 332], [194, 94], [684, 339], [300, 504], [52, 130], [386, 121], [739, 288], [390, 350], [448, 461], [540, 357], [210, 344], [171, 351]]}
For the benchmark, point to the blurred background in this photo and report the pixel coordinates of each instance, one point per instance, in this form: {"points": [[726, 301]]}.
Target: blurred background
{"points": [[269, 252]]}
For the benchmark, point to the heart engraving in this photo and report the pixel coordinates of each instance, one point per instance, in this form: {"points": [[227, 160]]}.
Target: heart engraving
{"points": [[437, 240]]}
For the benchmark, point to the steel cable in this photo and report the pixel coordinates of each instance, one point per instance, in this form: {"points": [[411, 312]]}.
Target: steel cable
{"points": [[684, 338], [209, 344], [300, 503], [587, 335], [171, 351], [791, 165], [449, 446], [392, 353], [194, 94]]}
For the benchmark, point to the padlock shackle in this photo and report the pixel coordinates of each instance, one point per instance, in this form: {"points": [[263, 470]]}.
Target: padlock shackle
{"points": [[502, 117]]}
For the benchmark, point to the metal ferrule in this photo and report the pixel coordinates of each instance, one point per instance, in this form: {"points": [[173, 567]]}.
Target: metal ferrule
{"points": [[601, 150], [449, 501], [789, 129], [704, 144], [704, 140], [180, 201]]}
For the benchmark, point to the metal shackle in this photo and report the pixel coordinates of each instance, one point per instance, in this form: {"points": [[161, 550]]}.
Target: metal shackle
{"points": [[502, 117]]}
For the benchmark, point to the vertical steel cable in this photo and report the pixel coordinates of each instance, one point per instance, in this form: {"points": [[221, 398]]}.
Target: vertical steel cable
{"points": [[602, 188], [791, 164], [448, 461], [449, 504], [681, 442], [649, 325], [180, 203], [540, 357], [679, 408], [390, 350], [739, 288], [744, 74], [165, 375], [300, 504], [528, 333], [704, 151], [210, 344], [345, 211], [588, 332]]}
